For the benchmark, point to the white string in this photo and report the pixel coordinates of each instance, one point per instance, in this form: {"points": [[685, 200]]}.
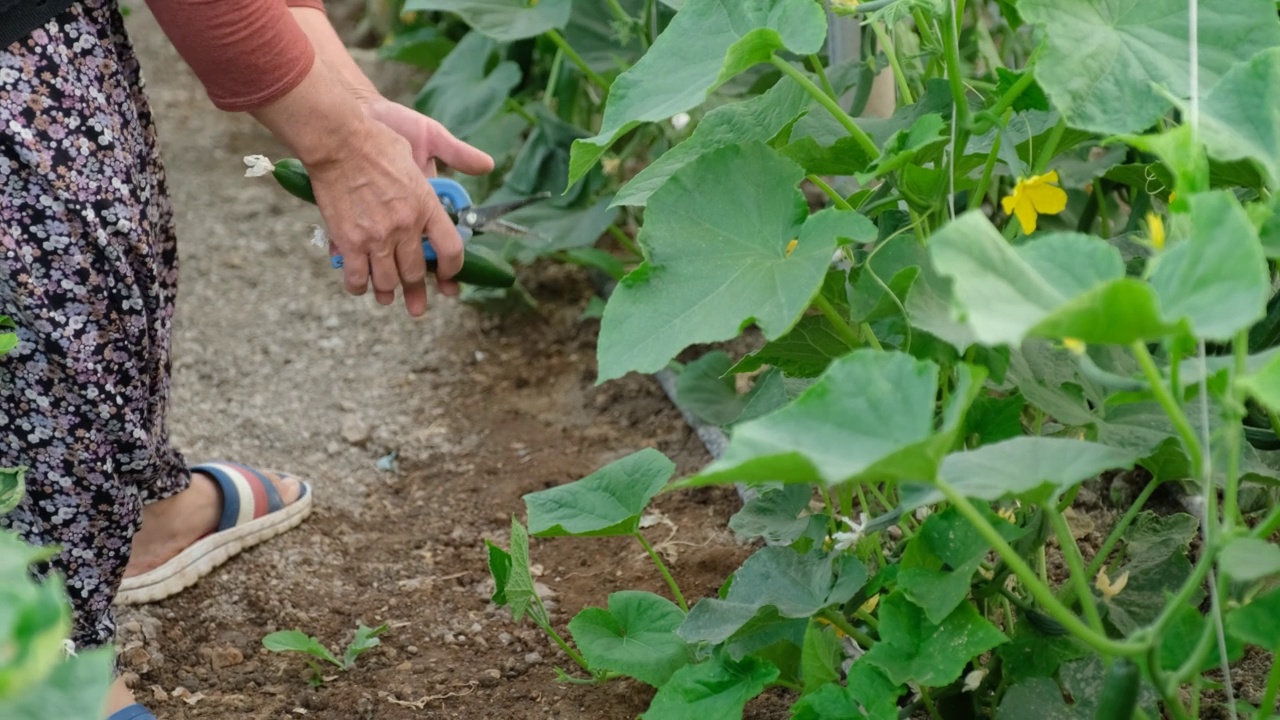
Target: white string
{"points": [[951, 169]]}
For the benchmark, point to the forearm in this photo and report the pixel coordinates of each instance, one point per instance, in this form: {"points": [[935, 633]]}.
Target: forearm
{"points": [[332, 52]]}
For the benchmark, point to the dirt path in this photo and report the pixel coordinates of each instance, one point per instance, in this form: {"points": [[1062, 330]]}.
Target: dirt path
{"points": [[276, 366]]}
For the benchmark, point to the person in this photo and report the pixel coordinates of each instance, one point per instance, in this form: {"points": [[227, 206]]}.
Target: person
{"points": [[88, 270]]}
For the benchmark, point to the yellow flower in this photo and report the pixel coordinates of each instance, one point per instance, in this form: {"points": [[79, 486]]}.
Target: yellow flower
{"points": [[791, 246], [1033, 197], [1108, 588], [870, 605], [1009, 515], [1075, 345], [1155, 226]]}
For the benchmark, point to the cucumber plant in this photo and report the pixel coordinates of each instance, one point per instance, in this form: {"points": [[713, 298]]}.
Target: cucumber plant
{"points": [[1052, 265]]}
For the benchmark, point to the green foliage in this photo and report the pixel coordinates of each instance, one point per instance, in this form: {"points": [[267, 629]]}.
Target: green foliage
{"points": [[366, 639], [933, 384]]}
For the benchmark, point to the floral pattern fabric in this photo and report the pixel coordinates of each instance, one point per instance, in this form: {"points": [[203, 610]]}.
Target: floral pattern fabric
{"points": [[88, 271]]}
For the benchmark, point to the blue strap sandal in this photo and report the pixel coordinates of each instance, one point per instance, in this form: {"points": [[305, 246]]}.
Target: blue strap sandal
{"points": [[133, 712], [252, 511]]}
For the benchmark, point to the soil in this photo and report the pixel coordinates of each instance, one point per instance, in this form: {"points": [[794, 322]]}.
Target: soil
{"points": [[275, 365]]}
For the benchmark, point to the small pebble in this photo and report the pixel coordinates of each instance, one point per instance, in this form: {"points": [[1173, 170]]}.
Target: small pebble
{"points": [[489, 678], [533, 658], [412, 650]]}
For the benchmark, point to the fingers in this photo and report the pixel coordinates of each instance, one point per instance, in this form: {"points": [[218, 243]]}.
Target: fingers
{"points": [[456, 153], [413, 274], [444, 239], [355, 274]]}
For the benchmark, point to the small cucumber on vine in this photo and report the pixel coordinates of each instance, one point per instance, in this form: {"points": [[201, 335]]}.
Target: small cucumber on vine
{"points": [[1119, 697], [293, 177]]}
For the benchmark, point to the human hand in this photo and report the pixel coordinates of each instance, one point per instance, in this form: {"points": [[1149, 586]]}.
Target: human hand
{"points": [[429, 139], [377, 206]]}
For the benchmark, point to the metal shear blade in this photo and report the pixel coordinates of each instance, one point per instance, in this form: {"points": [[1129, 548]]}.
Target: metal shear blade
{"points": [[488, 219]]}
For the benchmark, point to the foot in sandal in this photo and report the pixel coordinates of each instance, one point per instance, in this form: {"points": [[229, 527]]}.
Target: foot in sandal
{"points": [[227, 508]]}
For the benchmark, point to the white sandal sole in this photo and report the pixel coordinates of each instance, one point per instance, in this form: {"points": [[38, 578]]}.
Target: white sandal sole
{"points": [[203, 556]]}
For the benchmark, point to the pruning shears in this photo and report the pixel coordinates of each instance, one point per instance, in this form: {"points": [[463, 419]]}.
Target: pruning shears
{"points": [[470, 220]]}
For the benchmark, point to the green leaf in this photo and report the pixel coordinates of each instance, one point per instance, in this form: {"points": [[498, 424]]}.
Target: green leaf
{"points": [[1030, 469], [1249, 559], [895, 264], [706, 387], [797, 585], [635, 636], [1235, 125], [716, 256], [1057, 285], [912, 649], [938, 564], [75, 689], [463, 95], [1031, 653], [1104, 58], [707, 43], [717, 688], [558, 229], [804, 352], [870, 415], [424, 48], [1032, 98], [606, 502], [12, 488], [994, 418], [1040, 698], [503, 20], [513, 583], [776, 515], [1182, 634], [869, 694], [1156, 549], [365, 640], [542, 163], [500, 568], [298, 641], [820, 656], [8, 338], [1217, 279], [758, 119], [1258, 622]]}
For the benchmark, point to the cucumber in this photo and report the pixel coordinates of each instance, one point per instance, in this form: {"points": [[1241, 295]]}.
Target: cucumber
{"points": [[476, 268], [1119, 696]]}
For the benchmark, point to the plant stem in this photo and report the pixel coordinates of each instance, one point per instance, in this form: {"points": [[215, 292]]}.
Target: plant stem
{"points": [[1231, 496], [903, 89], [841, 325], [859, 135], [1118, 531], [1075, 564], [843, 625], [980, 193], [928, 703], [576, 59], [1104, 220], [662, 568], [518, 109], [836, 198], [553, 78], [925, 29], [625, 240], [1050, 149], [951, 55], [815, 64], [1170, 405], [1039, 590], [1273, 690]]}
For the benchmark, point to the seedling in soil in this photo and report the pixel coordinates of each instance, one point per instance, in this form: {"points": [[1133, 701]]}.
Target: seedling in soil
{"points": [[365, 640]]}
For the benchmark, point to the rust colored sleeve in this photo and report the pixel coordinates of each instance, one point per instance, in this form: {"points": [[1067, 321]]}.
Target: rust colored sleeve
{"points": [[246, 53], [313, 4]]}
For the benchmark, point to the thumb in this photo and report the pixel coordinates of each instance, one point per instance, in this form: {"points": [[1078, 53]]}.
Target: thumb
{"points": [[456, 153]]}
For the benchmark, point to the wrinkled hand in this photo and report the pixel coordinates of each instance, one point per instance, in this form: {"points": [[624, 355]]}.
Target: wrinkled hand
{"points": [[429, 139], [377, 206]]}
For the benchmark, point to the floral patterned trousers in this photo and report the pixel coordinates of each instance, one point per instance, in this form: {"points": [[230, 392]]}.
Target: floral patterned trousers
{"points": [[88, 271]]}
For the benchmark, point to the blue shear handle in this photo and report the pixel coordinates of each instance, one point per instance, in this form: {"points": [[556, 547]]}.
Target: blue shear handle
{"points": [[455, 199]]}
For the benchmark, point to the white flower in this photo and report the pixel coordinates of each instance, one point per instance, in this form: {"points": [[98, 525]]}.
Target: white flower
{"points": [[680, 121], [974, 679], [259, 165], [69, 647], [846, 540]]}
